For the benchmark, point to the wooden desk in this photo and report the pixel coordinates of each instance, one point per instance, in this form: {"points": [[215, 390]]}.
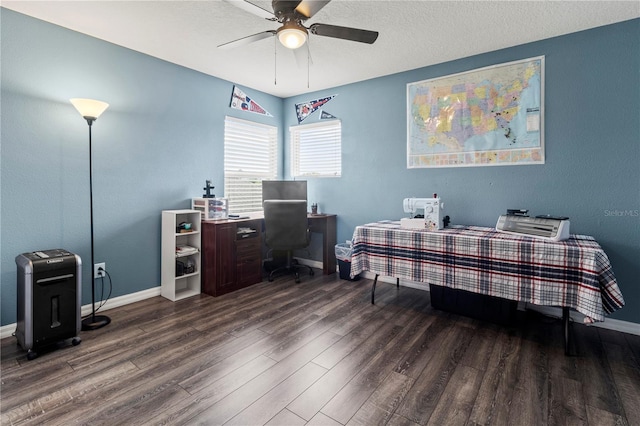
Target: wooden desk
{"points": [[325, 224], [231, 261]]}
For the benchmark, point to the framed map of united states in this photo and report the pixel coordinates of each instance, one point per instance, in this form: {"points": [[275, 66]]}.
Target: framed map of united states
{"points": [[485, 117]]}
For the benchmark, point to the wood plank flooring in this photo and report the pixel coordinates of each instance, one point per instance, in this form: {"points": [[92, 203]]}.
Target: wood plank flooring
{"points": [[318, 353]]}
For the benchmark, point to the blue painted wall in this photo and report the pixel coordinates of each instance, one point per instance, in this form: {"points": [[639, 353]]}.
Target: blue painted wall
{"points": [[592, 143], [162, 137], [153, 149]]}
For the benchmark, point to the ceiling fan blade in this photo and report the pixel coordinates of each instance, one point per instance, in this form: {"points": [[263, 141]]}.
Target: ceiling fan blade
{"points": [[345, 33], [252, 8], [309, 8], [246, 40]]}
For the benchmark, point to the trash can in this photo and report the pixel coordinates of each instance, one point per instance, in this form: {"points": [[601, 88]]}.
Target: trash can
{"points": [[343, 256]]}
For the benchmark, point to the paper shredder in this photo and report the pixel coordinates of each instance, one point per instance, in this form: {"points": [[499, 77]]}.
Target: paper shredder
{"points": [[49, 299]]}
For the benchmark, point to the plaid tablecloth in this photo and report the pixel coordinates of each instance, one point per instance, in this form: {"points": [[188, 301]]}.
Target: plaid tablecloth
{"points": [[575, 273]]}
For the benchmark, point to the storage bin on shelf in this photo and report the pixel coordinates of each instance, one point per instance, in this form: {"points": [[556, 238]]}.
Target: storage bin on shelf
{"points": [[211, 208]]}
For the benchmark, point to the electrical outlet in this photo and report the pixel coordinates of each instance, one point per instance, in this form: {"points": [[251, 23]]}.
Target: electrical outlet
{"points": [[96, 272]]}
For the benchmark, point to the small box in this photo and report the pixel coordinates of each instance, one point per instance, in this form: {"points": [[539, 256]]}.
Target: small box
{"points": [[211, 208]]}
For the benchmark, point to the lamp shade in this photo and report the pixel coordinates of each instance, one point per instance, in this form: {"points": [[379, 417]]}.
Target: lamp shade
{"points": [[292, 35], [89, 108]]}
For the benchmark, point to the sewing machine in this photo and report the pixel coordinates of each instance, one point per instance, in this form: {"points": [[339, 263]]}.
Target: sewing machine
{"points": [[425, 213]]}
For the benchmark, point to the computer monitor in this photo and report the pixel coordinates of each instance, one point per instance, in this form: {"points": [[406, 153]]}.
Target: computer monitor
{"points": [[284, 190]]}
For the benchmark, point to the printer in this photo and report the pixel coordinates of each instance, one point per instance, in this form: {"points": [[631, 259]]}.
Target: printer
{"points": [[425, 213]]}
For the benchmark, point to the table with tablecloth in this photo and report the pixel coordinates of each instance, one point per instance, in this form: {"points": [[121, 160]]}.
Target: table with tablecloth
{"points": [[575, 273]]}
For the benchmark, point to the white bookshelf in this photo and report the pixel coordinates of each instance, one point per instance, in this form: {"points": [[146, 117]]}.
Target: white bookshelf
{"points": [[173, 286]]}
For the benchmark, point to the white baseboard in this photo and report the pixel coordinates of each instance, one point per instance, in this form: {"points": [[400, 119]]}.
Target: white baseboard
{"points": [[9, 329], [577, 317], [608, 323], [124, 300], [313, 263]]}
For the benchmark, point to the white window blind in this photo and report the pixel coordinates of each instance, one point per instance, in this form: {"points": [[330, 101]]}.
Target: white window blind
{"points": [[316, 149], [250, 156]]}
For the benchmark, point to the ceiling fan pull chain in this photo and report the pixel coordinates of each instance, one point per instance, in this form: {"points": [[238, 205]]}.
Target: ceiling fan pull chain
{"points": [[275, 61], [308, 60]]}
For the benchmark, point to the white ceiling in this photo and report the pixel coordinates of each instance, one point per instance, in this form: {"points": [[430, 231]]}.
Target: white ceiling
{"points": [[413, 34]]}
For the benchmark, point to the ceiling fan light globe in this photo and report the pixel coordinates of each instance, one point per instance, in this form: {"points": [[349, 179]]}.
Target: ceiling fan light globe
{"points": [[292, 38]]}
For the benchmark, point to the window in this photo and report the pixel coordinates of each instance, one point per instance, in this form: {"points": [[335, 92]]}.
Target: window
{"points": [[316, 149], [250, 156]]}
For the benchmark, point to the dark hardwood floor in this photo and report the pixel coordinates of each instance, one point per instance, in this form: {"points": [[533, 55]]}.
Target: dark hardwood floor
{"points": [[319, 353]]}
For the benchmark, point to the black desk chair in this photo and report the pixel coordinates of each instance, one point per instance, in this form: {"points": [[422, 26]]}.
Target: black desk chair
{"points": [[287, 229]]}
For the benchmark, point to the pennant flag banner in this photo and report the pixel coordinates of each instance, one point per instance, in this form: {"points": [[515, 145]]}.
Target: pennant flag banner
{"points": [[324, 115], [305, 109], [239, 100]]}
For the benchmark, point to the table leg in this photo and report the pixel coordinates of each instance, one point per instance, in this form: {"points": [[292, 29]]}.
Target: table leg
{"points": [[373, 289], [567, 330]]}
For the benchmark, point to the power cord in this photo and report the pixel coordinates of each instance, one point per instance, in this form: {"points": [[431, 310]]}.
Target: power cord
{"points": [[103, 301]]}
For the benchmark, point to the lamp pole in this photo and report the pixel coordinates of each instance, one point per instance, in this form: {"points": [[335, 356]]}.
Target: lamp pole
{"points": [[90, 111]]}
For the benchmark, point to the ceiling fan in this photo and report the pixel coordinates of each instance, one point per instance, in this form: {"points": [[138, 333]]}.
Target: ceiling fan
{"points": [[292, 14]]}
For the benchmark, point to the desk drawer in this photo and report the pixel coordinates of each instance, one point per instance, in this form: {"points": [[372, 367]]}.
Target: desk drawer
{"points": [[248, 247], [248, 261], [249, 268], [248, 256]]}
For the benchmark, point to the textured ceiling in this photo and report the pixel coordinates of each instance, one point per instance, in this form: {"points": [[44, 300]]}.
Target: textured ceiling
{"points": [[413, 34]]}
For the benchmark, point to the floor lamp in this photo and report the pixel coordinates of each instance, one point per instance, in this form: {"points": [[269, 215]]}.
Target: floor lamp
{"points": [[90, 110]]}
